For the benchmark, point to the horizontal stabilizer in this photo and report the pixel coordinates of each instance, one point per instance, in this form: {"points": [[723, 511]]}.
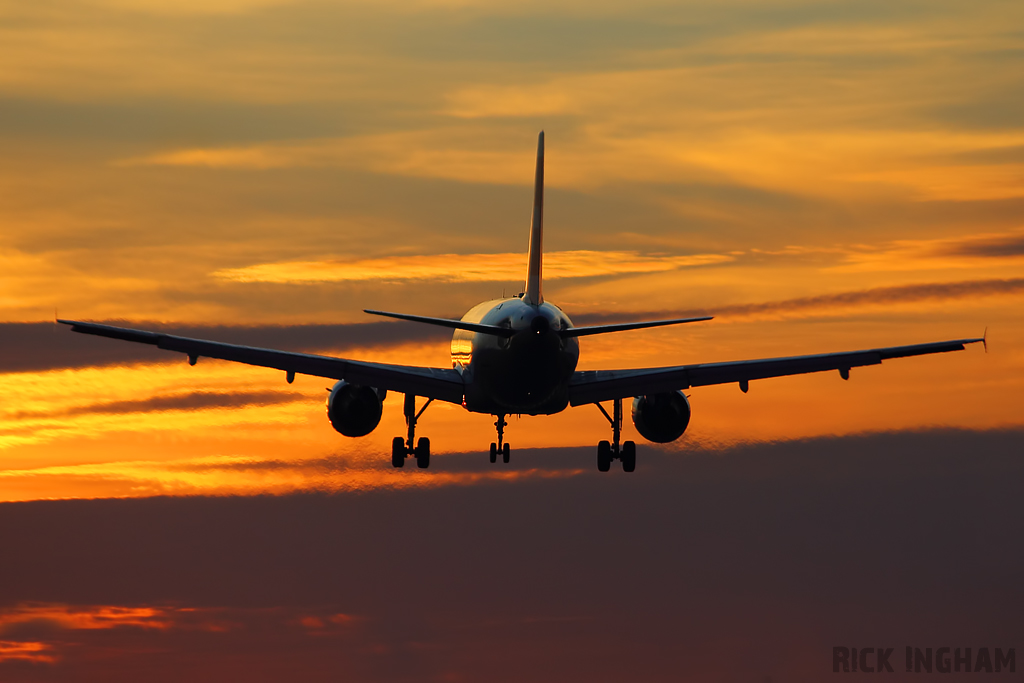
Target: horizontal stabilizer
{"points": [[448, 322], [621, 327]]}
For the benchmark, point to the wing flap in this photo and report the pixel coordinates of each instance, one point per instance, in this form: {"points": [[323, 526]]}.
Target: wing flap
{"points": [[603, 385], [439, 383]]}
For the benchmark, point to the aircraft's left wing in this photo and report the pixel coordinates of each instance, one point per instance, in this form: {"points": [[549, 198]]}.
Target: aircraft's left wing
{"points": [[593, 386], [442, 384]]}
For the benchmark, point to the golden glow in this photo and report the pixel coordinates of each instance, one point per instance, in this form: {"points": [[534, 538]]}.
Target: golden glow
{"points": [[85, 618], [31, 651], [466, 267]]}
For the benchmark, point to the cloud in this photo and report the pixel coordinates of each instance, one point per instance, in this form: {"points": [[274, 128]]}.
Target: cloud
{"points": [[995, 246], [766, 549], [192, 7], [53, 633], [828, 304], [26, 347], [882, 296], [99, 408], [83, 618], [246, 475], [951, 253], [901, 254], [465, 154], [466, 267], [814, 161], [22, 651], [195, 400]]}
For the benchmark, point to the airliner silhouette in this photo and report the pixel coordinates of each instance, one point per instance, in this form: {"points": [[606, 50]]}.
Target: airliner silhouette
{"points": [[518, 356]]}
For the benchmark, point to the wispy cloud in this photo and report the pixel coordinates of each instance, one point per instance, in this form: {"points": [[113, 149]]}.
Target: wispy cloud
{"points": [[85, 618], [193, 7], [832, 304], [193, 400], [943, 254], [33, 347], [66, 625], [244, 475], [27, 651], [459, 153], [97, 402], [882, 296], [987, 246], [841, 161], [466, 267]]}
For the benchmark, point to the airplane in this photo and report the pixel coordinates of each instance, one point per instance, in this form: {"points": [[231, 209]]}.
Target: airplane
{"points": [[518, 356]]}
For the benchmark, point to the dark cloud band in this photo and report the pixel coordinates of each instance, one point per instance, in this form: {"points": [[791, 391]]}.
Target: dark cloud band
{"points": [[827, 302], [703, 565], [45, 346]]}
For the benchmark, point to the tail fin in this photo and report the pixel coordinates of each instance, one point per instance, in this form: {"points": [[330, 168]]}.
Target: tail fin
{"points": [[533, 276]]}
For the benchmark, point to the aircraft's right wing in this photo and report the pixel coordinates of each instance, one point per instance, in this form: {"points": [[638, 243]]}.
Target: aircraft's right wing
{"points": [[443, 384], [593, 386]]}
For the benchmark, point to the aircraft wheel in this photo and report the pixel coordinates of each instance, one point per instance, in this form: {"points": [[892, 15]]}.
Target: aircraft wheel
{"points": [[505, 451], [628, 456], [494, 452], [604, 456], [398, 452], [423, 453]]}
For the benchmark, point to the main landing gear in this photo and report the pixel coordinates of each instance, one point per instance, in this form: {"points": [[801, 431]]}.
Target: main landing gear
{"points": [[402, 448], [606, 452], [501, 446]]}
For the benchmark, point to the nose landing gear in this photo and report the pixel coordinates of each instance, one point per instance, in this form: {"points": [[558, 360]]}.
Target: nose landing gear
{"points": [[403, 448], [501, 446], [606, 452]]}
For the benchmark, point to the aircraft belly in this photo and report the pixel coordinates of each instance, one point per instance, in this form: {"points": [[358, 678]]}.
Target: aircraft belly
{"points": [[499, 385]]}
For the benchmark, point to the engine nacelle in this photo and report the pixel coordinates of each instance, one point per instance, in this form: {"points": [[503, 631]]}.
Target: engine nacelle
{"points": [[355, 410], [661, 417]]}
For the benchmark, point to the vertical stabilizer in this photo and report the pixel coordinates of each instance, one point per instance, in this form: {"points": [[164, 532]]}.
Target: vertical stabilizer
{"points": [[533, 276]]}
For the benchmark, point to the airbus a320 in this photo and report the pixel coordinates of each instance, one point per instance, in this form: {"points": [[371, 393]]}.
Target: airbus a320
{"points": [[518, 356]]}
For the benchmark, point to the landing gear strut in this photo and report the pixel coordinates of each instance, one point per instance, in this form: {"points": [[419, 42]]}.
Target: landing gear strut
{"points": [[402, 448], [606, 452], [501, 446]]}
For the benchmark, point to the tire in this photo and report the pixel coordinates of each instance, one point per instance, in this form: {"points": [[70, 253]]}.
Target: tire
{"points": [[505, 451], [423, 453], [398, 452], [604, 456], [494, 452], [628, 456]]}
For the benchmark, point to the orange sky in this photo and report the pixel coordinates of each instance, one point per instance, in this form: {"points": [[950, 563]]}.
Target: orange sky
{"points": [[819, 176], [819, 179]]}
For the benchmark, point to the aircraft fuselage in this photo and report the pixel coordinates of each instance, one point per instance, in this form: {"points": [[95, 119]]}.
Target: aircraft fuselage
{"points": [[527, 373]]}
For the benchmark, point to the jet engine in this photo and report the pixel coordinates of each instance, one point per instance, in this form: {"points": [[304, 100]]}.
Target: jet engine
{"points": [[355, 410], [661, 417]]}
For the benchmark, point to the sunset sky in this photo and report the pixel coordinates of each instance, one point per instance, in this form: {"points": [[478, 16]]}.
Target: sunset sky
{"points": [[819, 176]]}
